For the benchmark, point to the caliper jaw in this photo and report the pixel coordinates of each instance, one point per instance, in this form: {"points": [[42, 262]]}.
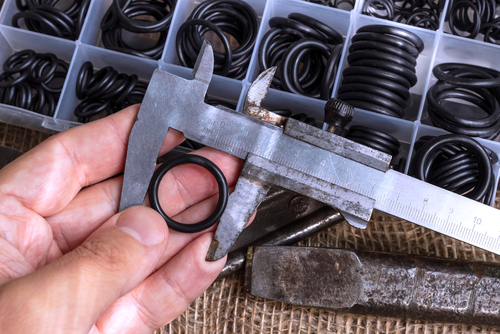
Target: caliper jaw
{"points": [[164, 100]]}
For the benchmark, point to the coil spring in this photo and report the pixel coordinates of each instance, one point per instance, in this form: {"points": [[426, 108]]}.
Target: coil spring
{"points": [[382, 63], [456, 163], [418, 13], [235, 18], [476, 85], [301, 39], [468, 18], [106, 91], [128, 16], [43, 17], [29, 81]]}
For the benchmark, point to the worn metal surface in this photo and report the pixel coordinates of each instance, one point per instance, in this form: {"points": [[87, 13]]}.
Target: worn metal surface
{"points": [[174, 102], [378, 284], [287, 235], [279, 208], [242, 204], [152, 123], [7, 155], [256, 94], [343, 199], [338, 145]]}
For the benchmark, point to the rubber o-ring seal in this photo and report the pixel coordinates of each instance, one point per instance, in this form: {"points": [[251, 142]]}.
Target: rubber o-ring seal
{"points": [[196, 160]]}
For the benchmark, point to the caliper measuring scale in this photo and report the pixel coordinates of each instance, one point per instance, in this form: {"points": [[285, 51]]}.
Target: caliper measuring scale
{"points": [[289, 154]]}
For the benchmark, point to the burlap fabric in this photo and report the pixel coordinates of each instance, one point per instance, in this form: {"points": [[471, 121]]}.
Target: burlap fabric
{"points": [[225, 308]]}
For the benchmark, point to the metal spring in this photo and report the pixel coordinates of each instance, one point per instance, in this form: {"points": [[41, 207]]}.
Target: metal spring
{"points": [[106, 91], [43, 17], [128, 16], [29, 81], [475, 85], [381, 70], [235, 18], [456, 163], [301, 39]]}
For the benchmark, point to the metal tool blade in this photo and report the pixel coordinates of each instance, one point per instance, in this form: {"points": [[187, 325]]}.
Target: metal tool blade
{"points": [[242, 204], [377, 284], [152, 124]]}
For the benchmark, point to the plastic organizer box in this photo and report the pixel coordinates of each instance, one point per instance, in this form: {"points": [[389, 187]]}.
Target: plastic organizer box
{"points": [[440, 47]]}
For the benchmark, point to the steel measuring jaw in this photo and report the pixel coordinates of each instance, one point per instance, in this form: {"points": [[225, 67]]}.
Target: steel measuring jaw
{"points": [[284, 152]]}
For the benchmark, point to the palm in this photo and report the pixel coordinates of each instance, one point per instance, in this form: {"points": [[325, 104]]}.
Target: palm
{"points": [[44, 213]]}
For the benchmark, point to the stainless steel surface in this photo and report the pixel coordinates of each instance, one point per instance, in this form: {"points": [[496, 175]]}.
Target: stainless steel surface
{"points": [[174, 102], [287, 235], [377, 284]]}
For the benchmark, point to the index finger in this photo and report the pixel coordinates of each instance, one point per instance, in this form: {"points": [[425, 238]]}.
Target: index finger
{"points": [[48, 177]]}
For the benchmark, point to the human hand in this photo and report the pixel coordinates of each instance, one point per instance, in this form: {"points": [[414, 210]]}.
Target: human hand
{"points": [[70, 264]]}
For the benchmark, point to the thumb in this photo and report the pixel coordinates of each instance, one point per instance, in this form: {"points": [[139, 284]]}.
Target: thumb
{"points": [[82, 284]]}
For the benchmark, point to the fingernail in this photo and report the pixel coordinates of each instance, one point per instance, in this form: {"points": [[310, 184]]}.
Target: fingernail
{"points": [[206, 241], [142, 225]]}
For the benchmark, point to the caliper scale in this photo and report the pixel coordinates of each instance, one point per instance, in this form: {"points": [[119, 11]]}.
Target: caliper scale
{"points": [[286, 153]]}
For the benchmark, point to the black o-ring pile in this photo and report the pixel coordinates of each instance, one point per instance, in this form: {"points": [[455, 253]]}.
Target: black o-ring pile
{"points": [[44, 17], [475, 85], [106, 91], [308, 53], [456, 163], [418, 13], [235, 18], [334, 3], [378, 140], [468, 18], [375, 139], [128, 16], [301, 117], [30, 81], [382, 63]]}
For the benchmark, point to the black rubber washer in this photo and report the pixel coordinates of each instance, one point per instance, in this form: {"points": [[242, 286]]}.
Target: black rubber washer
{"points": [[184, 160]]}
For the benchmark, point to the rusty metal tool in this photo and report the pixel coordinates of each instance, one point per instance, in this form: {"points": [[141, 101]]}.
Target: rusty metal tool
{"points": [[292, 155], [377, 284], [287, 235]]}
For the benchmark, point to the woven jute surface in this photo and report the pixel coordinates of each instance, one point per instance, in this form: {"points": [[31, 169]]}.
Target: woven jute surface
{"points": [[225, 308]]}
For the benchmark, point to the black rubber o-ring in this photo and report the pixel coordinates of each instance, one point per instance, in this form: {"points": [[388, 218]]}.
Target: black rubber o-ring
{"points": [[196, 160]]}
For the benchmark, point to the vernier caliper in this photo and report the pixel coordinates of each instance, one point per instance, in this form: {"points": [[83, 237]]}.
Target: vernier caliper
{"points": [[286, 153]]}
